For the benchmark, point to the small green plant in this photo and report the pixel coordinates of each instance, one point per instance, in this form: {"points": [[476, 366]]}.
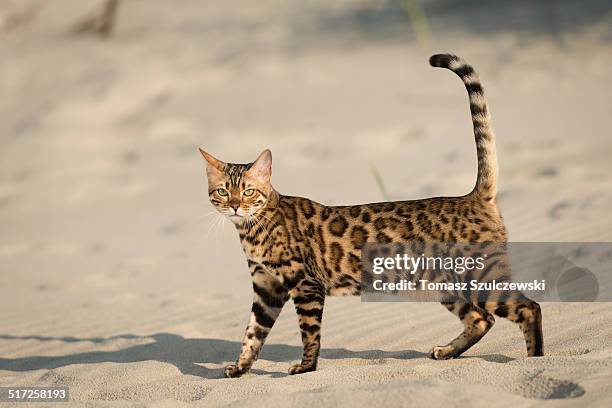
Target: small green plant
{"points": [[416, 14], [380, 183]]}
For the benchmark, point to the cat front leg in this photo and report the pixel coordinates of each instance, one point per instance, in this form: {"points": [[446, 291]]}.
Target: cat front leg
{"points": [[268, 300], [309, 298]]}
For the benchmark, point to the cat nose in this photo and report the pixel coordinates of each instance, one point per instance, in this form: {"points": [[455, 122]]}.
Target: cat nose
{"points": [[235, 206]]}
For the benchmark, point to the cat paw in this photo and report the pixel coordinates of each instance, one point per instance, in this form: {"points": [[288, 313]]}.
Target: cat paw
{"points": [[300, 369], [441, 353], [233, 371]]}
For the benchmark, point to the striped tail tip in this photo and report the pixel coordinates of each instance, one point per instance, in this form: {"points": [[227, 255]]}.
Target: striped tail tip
{"points": [[442, 60]]}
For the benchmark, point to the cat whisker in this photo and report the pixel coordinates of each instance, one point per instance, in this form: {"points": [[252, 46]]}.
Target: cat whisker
{"points": [[260, 223], [218, 226], [197, 216], [213, 224]]}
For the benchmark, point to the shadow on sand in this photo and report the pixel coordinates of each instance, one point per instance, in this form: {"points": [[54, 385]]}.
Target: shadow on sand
{"points": [[183, 353]]}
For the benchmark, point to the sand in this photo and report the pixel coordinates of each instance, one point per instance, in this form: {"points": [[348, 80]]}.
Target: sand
{"points": [[119, 281]]}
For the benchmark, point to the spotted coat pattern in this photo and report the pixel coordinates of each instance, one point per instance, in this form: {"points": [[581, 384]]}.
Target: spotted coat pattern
{"points": [[302, 250]]}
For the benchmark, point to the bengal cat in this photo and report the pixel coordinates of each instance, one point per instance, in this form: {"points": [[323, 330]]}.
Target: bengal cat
{"points": [[299, 249]]}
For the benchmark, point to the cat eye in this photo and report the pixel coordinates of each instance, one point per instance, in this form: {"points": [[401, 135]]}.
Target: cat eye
{"points": [[222, 192], [248, 192]]}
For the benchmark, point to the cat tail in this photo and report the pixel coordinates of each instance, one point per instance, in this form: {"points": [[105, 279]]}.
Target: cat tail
{"points": [[486, 182]]}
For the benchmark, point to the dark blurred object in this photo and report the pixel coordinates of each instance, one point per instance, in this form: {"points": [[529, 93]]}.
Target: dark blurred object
{"points": [[16, 13], [100, 23], [356, 22]]}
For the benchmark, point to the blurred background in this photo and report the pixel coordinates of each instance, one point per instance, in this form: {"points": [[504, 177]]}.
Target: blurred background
{"points": [[103, 200]]}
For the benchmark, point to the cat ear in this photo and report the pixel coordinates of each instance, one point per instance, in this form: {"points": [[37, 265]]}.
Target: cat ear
{"points": [[211, 161], [262, 166]]}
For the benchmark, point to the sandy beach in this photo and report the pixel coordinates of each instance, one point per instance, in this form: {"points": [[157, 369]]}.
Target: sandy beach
{"points": [[120, 281]]}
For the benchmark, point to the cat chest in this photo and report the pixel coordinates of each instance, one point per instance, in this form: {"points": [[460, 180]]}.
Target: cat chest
{"points": [[262, 254]]}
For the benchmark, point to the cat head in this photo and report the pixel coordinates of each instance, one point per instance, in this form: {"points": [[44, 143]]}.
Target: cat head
{"points": [[239, 191]]}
